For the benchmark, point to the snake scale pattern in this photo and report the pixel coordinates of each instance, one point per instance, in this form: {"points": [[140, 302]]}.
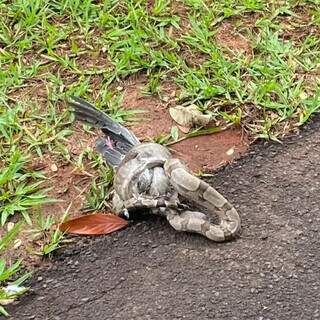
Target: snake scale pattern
{"points": [[148, 178]]}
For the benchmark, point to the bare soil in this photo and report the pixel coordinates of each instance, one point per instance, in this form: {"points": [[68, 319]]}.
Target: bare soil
{"points": [[212, 151], [201, 154], [229, 37], [150, 271]]}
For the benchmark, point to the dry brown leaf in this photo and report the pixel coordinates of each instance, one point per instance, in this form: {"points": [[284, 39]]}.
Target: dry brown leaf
{"points": [[94, 224]]}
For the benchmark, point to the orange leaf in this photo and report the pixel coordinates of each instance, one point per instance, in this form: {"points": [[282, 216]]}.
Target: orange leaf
{"points": [[94, 224]]}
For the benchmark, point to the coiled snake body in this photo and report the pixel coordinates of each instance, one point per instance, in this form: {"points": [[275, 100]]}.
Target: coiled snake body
{"points": [[148, 177]]}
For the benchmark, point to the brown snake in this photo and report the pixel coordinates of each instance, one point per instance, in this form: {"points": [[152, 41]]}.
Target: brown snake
{"points": [[148, 177]]}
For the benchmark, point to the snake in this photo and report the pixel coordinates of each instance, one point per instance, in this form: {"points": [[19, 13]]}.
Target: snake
{"points": [[149, 179]]}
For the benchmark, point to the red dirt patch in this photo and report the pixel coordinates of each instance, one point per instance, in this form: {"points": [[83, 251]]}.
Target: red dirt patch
{"points": [[156, 120], [204, 153], [228, 37], [207, 153]]}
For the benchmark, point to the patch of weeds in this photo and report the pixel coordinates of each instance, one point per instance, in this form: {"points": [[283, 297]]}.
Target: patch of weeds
{"points": [[167, 139], [153, 86], [96, 160], [100, 184], [17, 193], [50, 131], [46, 233], [234, 118], [10, 289], [100, 191], [120, 114], [162, 139]]}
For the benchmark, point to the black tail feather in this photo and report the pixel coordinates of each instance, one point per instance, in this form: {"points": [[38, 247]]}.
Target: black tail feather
{"points": [[122, 140], [87, 113]]}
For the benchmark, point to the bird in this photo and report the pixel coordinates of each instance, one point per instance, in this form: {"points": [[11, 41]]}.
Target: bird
{"points": [[116, 140]]}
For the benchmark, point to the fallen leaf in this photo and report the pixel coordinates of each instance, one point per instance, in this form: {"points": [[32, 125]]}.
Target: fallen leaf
{"points": [[189, 116], [94, 224]]}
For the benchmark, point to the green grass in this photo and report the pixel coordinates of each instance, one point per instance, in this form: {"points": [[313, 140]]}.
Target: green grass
{"points": [[10, 290], [18, 191], [52, 49], [46, 233]]}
